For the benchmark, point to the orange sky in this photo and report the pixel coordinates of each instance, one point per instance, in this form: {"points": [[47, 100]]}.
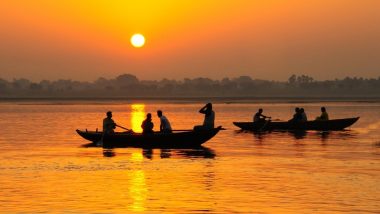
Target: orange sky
{"points": [[268, 39]]}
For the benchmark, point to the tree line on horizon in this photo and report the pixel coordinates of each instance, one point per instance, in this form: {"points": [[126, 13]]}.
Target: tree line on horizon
{"points": [[128, 85]]}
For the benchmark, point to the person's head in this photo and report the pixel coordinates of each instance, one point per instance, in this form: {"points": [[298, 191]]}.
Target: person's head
{"points": [[260, 110], [109, 114], [159, 113], [209, 106], [302, 110], [149, 116], [297, 109], [323, 109]]}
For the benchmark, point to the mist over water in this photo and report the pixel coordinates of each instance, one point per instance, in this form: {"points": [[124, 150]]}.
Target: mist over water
{"points": [[45, 167]]}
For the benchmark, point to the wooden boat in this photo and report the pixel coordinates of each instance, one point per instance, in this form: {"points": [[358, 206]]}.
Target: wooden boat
{"points": [[323, 125], [177, 139]]}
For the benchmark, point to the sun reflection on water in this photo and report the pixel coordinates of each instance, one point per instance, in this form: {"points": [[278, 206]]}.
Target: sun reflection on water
{"points": [[137, 116], [138, 190], [137, 184]]}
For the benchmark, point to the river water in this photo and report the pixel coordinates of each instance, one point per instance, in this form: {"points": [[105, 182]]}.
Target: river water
{"points": [[44, 166]]}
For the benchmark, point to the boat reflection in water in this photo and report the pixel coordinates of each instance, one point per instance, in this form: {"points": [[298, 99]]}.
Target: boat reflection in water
{"points": [[298, 134], [199, 152], [108, 153], [324, 136]]}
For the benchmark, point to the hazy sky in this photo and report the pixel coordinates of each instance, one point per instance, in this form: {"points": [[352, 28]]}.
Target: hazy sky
{"points": [[267, 39]]}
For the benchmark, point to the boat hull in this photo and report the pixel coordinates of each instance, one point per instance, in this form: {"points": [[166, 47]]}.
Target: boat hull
{"points": [[183, 139], [327, 125]]}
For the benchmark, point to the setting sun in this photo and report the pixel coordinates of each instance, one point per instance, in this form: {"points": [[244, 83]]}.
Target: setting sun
{"points": [[137, 40]]}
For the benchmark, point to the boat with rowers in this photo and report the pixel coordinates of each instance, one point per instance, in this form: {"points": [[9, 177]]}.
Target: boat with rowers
{"points": [[321, 125], [176, 139]]}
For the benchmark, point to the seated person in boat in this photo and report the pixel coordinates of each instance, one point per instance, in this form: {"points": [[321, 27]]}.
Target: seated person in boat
{"points": [[164, 123], [108, 124], [259, 117], [324, 115], [297, 117], [208, 122], [147, 124], [303, 115]]}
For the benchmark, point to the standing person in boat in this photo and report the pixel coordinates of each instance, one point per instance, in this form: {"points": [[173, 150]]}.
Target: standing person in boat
{"points": [[324, 115], [108, 124], [208, 122], [147, 124], [303, 115], [259, 117], [164, 123]]}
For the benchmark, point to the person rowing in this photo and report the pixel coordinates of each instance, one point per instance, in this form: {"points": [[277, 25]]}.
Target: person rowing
{"points": [[108, 127], [108, 124], [259, 117]]}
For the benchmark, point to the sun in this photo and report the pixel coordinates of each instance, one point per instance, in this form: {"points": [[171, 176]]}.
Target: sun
{"points": [[137, 40]]}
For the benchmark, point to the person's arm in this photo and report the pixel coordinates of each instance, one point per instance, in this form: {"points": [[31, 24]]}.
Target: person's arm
{"points": [[113, 124], [203, 110], [161, 126]]}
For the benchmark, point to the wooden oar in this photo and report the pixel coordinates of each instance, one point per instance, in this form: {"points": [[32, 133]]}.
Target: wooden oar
{"points": [[100, 142], [123, 128], [186, 130]]}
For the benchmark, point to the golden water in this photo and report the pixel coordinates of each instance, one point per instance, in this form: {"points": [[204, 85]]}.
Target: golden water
{"points": [[44, 168]]}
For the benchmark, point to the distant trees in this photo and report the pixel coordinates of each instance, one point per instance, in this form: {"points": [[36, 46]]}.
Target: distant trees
{"points": [[128, 85]]}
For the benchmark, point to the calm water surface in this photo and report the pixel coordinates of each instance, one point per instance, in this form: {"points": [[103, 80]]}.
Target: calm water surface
{"points": [[45, 168]]}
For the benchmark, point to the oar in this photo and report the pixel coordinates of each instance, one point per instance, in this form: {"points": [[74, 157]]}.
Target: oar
{"points": [[123, 128], [100, 142], [186, 130]]}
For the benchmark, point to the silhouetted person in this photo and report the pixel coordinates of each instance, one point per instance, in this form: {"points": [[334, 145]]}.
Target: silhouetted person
{"points": [[108, 124], [297, 117], [164, 123], [303, 115], [324, 115], [259, 117], [147, 124], [208, 122]]}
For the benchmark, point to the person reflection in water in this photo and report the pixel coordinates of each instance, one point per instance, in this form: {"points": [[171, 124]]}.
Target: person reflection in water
{"points": [[108, 124], [147, 124], [208, 122]]}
